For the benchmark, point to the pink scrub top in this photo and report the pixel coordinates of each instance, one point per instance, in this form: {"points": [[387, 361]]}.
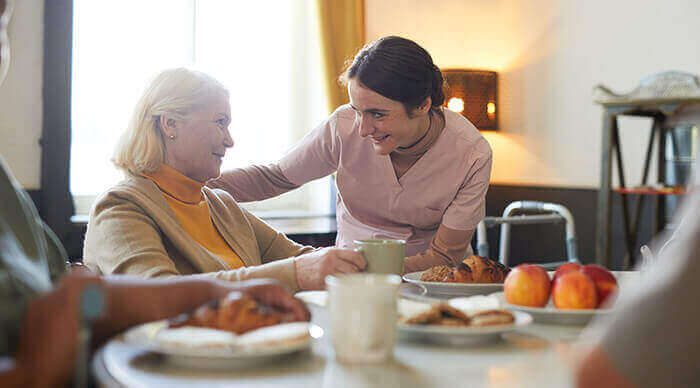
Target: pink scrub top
{"points": [[447, 185]]}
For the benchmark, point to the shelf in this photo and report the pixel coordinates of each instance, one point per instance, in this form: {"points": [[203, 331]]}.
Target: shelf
{"points": [[645, 191]]}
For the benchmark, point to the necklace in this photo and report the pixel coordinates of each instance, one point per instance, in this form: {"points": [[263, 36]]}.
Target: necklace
{"points": [[430, 124]]}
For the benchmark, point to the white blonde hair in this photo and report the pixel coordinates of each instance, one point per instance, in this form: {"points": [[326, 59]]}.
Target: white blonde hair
{"points": [[173, 94]]}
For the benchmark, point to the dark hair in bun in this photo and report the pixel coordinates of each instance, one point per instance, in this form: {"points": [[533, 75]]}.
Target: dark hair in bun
{"points": [[398, 69]]}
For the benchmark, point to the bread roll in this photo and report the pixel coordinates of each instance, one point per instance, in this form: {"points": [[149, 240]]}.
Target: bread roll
{"points": [[435, 274]]}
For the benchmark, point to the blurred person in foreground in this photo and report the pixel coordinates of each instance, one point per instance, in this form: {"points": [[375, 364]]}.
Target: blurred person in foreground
{"points": [[161, 220], [653, 338], [39, 299]]}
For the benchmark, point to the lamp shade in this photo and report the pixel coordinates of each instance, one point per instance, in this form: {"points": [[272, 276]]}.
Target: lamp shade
{"points": [[473, 93]]}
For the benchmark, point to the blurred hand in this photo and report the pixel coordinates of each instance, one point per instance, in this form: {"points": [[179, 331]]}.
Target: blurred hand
{"points": [[268, 292], [48, 338], [312, 268], [47, 347]]}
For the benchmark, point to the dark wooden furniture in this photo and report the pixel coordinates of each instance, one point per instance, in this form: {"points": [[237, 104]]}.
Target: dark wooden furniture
{"points": [[317, 231], [658, 97]]}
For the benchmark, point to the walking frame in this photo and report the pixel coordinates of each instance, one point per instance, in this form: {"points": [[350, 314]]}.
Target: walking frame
{"points": [[549, 213]]}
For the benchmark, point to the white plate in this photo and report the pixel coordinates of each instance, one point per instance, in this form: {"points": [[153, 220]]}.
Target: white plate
{"points": [[551, 315], [320, 298], [223, 350], [461, 335], [449, 290]]}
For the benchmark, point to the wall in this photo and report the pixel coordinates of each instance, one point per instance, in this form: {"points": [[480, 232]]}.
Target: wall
{"points": [[549, 55], [20, 94]]}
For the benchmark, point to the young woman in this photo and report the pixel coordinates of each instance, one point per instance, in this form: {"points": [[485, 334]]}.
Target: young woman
{"points": [[406, 168]]}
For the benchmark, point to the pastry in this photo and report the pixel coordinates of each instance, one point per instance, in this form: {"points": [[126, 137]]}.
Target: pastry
{"points": [[473, 269], [449, 312], [485, 270], [461, 274], [492, 317], [417, 313], [237, 313], [435, 274], [452, 322]]}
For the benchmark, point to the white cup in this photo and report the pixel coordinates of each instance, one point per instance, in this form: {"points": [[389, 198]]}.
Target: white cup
{"points": [[363, 316]]}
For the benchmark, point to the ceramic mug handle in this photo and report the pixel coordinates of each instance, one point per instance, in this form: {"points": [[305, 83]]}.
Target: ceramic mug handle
{"points": [[359, 250]]}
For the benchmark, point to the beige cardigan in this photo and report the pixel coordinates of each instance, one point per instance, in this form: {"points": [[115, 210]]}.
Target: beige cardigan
{"points": [[132, 230]]}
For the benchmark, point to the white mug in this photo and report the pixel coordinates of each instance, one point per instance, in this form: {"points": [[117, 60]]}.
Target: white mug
{"points": [[363, 313]]}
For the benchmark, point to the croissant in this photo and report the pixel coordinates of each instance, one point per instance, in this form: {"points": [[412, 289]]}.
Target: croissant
{"points": [[485, 270], [236, 313], [462, 274], [477, 269]]}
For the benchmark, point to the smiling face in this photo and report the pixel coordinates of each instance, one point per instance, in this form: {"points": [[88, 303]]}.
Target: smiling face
{"points": [[385, 121], [200, 142]]}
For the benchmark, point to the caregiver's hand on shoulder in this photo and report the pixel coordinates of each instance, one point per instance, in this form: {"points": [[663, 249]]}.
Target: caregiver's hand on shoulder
{"points": [[312, 268]]}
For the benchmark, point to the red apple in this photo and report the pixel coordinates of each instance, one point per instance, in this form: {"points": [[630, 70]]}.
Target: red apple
{"points": [[574, 290], [605, 283], [527, 285], [564, 268], [539, 268]]}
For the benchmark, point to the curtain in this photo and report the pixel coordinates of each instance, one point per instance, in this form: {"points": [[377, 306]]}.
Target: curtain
{"points": [[342, 28]]}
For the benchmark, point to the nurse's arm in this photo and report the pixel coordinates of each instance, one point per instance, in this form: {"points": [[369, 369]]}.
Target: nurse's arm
{"points": [[448, 247], [253, 183], [313, 157]]}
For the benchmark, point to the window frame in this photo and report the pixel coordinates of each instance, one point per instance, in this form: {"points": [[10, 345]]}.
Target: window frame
{"points": [[55, 200]]}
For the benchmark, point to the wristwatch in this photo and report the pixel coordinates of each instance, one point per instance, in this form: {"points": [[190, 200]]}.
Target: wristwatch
{"points": [[92, 306]]}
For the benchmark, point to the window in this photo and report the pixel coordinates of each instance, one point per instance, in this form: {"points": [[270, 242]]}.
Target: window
{"points": [[266, 53]]}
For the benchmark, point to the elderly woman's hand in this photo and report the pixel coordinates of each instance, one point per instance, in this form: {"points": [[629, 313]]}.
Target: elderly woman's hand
{"points": [[312, 268]]}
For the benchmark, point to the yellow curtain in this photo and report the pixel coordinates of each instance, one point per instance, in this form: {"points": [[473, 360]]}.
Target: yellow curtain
{"points": [[342, 29]]}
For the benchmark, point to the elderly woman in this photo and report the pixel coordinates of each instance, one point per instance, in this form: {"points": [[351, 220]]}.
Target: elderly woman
{"points": [[161, 220], [40, 304]]}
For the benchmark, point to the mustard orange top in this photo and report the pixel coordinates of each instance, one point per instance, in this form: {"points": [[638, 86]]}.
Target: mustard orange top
{"points": [[184, 195]]}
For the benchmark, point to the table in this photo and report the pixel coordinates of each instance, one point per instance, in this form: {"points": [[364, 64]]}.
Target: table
{"points": [[528, 357]]}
